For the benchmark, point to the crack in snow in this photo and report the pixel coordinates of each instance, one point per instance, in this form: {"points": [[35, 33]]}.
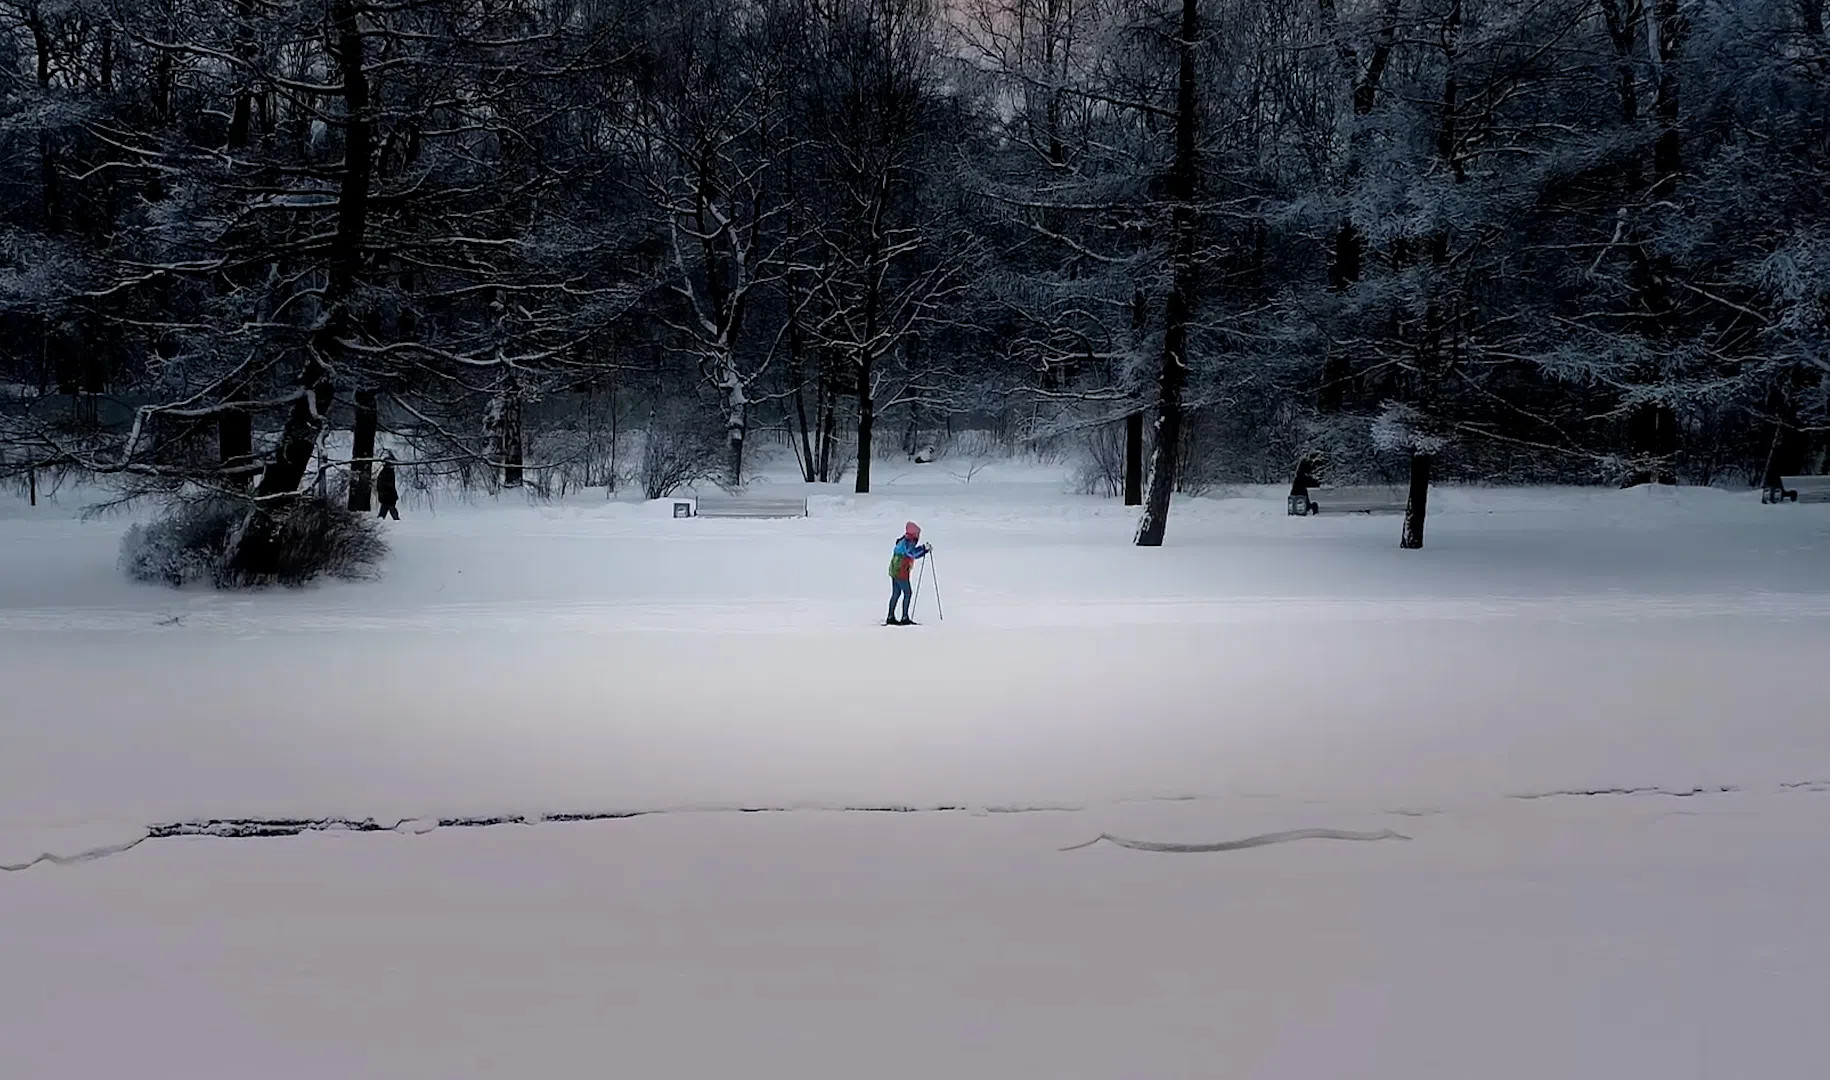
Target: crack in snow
{"points": [[1675, 793], [52, 859], [251, 828], [1237, 845], [1672, 793], [269, 828]]}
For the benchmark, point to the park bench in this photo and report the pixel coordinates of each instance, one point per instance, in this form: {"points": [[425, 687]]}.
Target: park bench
{"points": [[1809, 489], [1365, 499], [741, 506]]}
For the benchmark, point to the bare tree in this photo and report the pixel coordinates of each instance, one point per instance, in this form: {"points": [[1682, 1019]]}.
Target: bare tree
{"points": [[1182, 188], [889, 265]]}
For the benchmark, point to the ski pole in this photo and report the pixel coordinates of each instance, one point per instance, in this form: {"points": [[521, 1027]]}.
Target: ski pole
{"points": [[937, 605]]}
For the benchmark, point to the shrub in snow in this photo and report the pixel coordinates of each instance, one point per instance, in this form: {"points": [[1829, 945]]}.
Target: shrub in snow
{"points": [[978, 443], [231, 545], [185, 545], [1101, 470], [674, 456], [1203, 463]]}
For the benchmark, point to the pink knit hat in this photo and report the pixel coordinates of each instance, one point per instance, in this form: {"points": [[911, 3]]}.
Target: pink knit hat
{"points": [[912, 531]]}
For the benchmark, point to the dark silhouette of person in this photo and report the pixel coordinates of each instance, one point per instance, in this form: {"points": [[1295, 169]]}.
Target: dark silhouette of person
{"points": [[387, 490]]}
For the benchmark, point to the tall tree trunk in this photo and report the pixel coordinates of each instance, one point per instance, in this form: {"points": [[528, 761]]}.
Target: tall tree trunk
{"points": [[737, 441], [867, 405], [1623, 19], [867, 414], [362, 452], [358, 167], [1417, 505], [165, 78], [510, 435], [1668, 151], [50, 181], [1441, 316], [1347, 257], [1134, 423], [797, 375], [611, 479], [1134, 459], [829, 423], [234, 437], [241, 118], [1652, 428], [736, 416], [1178, 307], [804, 450], [1344, 267], [252, 549], [1448, 131], [299, 436]]}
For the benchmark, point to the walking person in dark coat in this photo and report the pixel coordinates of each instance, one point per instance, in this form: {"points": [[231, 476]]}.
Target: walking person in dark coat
{"points": [[387, 490]]}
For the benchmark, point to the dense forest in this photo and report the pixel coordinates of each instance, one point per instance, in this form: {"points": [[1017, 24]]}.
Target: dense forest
{"points": [[574, 243]]}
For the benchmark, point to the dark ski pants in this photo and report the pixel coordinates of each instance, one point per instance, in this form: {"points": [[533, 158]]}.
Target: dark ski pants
{"points": [[389, 510], [900, 587]]}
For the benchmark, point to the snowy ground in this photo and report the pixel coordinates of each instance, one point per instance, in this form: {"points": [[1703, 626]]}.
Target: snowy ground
{"points": [[1599, 716]]}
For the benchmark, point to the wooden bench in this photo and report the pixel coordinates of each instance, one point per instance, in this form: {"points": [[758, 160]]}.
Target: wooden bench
{"points": [[748, 506], [1806, 489], [1368, 499]]}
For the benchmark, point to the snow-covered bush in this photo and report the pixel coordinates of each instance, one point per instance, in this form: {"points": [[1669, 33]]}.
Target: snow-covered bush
{"points": [[1101, 470], [676, 455], [977, 443], [230, 545], [185, 545]]}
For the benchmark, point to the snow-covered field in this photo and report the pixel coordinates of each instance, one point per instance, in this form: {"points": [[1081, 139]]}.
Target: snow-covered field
{"points": [[1601, 718]]}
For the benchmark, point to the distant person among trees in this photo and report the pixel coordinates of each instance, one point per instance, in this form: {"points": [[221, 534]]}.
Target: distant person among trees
{"points": [[902, 560], [387, 490]]}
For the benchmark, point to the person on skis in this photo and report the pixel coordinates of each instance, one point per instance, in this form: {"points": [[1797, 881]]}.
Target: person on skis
{"points": [[902, 560]]}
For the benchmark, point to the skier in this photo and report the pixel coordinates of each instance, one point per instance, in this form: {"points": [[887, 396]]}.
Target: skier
{"points": [[387, 491], [902, 560]]}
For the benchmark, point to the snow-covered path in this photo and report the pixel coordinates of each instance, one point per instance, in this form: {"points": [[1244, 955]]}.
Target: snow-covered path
{"points": [[1256, 675]]}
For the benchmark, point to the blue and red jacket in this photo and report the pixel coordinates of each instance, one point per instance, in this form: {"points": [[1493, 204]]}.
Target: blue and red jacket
{"points": [[907, 551]]}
